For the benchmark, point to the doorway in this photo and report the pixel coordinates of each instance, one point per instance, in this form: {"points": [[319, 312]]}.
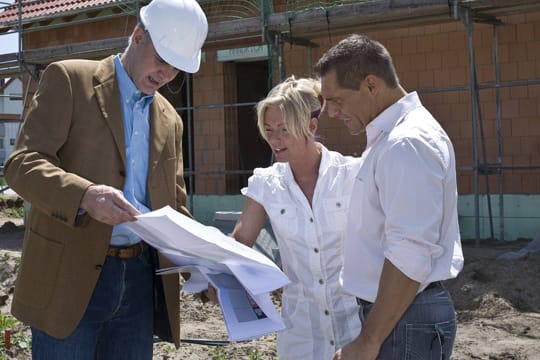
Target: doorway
{"points": [[252, 86]]}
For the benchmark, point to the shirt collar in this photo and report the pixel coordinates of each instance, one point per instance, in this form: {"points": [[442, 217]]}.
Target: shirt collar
{"points": [[323, 166], [392, 115], [325, 159]]}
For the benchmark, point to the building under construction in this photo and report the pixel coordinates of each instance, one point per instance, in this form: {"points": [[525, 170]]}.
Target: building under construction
{"points": [[475, 64]]}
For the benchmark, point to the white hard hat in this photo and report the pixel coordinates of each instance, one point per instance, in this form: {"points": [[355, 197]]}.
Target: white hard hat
{"points": [[178, 29]]}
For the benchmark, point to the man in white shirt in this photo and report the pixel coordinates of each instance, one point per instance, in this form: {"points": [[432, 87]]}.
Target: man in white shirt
{"points": [[402, 236]]}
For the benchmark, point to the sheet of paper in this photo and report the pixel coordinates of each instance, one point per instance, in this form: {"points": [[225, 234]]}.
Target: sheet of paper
{"points": [[177, 237]]}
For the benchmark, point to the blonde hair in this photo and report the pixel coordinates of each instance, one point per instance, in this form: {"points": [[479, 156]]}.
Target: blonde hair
{"points": [[297, 99]]}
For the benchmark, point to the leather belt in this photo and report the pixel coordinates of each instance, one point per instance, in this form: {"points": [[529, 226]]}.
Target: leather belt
{"points": [[127, 252], [430, 286]]}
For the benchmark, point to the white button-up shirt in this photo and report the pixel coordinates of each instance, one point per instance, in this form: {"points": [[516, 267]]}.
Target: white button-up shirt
{"points": [[404, 202], [321, 318]]}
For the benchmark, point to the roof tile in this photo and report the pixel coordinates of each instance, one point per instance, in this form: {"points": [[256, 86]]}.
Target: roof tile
{"points": [[39, 8]]}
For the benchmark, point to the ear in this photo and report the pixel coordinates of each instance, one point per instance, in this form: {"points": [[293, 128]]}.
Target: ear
{"points": [[138, 36], [313, 125], [372, 84]]}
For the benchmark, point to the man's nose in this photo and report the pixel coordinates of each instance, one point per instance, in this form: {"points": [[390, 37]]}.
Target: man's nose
{"points": [[330, 109]]}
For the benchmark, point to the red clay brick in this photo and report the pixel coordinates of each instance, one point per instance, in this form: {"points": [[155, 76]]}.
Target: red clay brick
{"points": [[417, 30], [409, 45], [485, 73], [409, 80], [484, 37], [451, 97], [525, 32], [531, 184], [510, 109], [520, 127], [519, 92], [534, 91], [442, 78], [507, 34], [464, 182], [440, 42], [433, 29], [533, 50], [534, 126], [528, 107], [530, 145], [457, 40], [394, 46], [488, 109], [464, 59], [503, 56], [425, 44], [527, 70], [484, 55], [512, 183], [418, 62], [449, 59], [512, 145], [517, 51], [451, 26], [459, 77], [433, 61], [508, 72]]}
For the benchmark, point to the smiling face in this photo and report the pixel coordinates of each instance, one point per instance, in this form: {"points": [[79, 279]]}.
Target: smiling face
{"points": [[283, 144], [356, 108], [144, 66]]}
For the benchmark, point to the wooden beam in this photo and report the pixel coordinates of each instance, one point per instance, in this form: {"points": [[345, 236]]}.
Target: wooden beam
{"points": [[90, 49], [359, 17]]}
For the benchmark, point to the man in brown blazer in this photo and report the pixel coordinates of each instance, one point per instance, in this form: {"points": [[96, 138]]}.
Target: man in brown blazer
{"points": [[100, 145]]}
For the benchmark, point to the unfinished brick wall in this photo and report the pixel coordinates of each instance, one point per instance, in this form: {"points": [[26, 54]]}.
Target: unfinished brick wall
{"points": [[215, 129]]}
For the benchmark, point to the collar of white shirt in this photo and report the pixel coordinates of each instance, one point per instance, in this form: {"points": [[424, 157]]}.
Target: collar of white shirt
{"points": [[391, 116]]}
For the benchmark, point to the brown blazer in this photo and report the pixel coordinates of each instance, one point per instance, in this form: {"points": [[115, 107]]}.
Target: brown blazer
{"points": [[73, 137]]}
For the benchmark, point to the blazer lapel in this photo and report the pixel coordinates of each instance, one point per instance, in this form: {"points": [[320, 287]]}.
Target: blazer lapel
{"points": [[108, 98]]}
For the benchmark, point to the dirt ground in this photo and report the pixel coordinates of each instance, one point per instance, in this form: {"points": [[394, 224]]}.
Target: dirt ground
{"points": [[498, 305]]}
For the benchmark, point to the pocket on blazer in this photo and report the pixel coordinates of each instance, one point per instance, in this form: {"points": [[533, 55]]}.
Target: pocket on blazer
{"points": [[36, 284]]}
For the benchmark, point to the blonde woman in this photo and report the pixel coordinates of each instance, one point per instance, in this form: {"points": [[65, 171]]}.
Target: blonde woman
{"points": [[305, 194]]}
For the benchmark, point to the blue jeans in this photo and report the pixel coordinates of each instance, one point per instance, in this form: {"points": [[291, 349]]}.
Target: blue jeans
{"points": [[426, 331], [118, 322]]}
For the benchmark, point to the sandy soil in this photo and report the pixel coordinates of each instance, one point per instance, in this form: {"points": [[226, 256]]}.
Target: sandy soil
{"points": [[498, 304]]}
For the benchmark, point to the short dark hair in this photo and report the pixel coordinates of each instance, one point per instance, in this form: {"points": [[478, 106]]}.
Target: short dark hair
{"points": [[354, 58]]}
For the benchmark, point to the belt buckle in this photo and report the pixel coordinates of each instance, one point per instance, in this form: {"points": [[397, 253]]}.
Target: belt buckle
{"points": [[126, 252]]}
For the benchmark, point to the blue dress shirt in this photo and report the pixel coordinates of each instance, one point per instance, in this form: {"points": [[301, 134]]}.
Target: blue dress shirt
{"points": [[135, 110]]}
